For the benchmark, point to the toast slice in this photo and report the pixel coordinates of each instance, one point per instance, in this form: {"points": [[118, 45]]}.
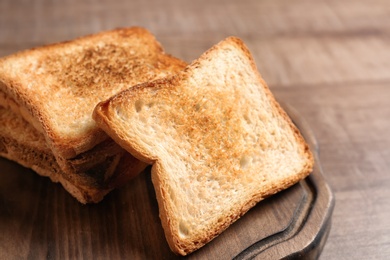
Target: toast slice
{"points": [[56, 87], [21, 143], [218, 141]]}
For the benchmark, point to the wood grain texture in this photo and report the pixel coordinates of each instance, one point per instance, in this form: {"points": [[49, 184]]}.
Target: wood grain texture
{"points": [[329, 59]]}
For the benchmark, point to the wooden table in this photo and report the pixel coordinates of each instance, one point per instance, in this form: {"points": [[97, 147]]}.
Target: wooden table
{"points": [[329, 59]]}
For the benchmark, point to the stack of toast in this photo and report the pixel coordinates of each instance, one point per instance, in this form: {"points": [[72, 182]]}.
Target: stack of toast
{"points": [[216, 138], [47, 96]]}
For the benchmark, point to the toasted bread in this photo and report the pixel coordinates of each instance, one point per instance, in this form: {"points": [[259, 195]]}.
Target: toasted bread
{"points": [[56, 87], [218, 140], [21, 143]]}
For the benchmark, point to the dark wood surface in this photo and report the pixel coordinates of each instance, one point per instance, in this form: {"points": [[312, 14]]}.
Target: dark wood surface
{"points": [[329, 59]]}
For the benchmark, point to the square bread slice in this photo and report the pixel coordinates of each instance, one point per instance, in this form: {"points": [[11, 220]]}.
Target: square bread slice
{"points": [[21, 143], [56, 87], [218, 141]]}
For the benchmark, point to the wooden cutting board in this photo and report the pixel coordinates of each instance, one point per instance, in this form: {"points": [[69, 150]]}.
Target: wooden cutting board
{"points": [[38, 219]]}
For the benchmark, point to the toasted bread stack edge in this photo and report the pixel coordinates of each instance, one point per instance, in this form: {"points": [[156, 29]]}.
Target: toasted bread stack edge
{"points": [[54, 90]]}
